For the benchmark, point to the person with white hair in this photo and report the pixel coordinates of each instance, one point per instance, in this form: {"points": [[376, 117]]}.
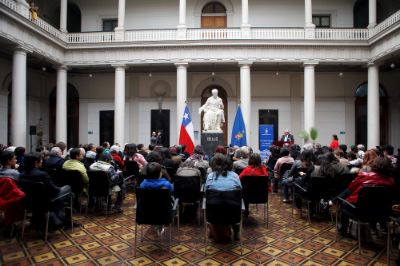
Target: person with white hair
{"points": [[55, 161], [361, 151], [287, 137]]}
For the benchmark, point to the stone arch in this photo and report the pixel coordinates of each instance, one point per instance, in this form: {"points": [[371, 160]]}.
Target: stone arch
{"points": [[160, 88], [201, 3], [198, 90]]}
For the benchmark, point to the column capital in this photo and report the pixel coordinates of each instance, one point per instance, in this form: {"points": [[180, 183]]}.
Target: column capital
{"points": [[23, 48], [310, 63], [371, 64], [61, 67], [182, 64], [124, 66], [245, 63]]}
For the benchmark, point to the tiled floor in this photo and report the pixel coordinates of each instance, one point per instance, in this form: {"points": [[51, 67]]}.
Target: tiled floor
{"points": [[109, 241]]}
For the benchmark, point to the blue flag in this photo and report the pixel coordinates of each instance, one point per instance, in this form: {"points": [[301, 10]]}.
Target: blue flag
{"points": [[239, 130]]}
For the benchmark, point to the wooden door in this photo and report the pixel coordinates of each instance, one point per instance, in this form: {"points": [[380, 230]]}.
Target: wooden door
{"points": [[213, 22]]}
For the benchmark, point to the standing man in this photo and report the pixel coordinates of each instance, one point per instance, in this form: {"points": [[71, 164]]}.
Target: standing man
{"points": [[287, 137], [153, 138]]}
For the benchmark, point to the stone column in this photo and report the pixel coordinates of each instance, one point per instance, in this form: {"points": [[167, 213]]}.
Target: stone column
{"points": [[181, 33], [61, 104], [181, 93], [245, 14], [372, 13], [119, 102], [309, 27], [120, 29], [63, 15], [18, 99], [23, 8], [373, 106], [245, 96], [309, 95]]}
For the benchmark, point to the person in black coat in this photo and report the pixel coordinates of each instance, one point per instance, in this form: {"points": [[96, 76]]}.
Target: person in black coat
{"points": [[32, 173], [55, 161], [287, 137]]}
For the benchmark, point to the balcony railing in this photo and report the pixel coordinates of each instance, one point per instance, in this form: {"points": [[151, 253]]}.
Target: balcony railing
{"points": [[90, 37], [207, 34], [342, 34]]}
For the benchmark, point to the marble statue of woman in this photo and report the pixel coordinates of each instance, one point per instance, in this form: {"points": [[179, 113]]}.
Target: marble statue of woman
{"points": [[213, 113]]}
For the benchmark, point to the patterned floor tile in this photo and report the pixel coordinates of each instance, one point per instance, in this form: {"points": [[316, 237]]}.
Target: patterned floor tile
{"points": [[289, 240]]}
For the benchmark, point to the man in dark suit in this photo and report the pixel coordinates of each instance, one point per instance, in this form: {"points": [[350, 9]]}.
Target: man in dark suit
{"points": [[287, 137]]}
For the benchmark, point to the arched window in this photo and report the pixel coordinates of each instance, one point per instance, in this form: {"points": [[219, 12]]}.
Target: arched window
{"points": [[362, 90], [213, 7], [213, 16]]}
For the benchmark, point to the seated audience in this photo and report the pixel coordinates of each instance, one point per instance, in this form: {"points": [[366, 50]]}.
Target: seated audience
{"points": [[20, 153], [188, 168], [339, 154], [115, 151], [388, 151], [255, 168], [76, 155], [285, 158], [154, 178], [198, 158], [131, 154], [369, 158], [224, 179], [104, 164], [299, 169], [241, 159], [8, 161], [379, 175], [142, 150], [55, 161], [58, 218]]}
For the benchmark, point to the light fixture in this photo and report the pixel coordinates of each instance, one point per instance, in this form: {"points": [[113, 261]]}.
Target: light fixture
{"points": [[44, 68], [150, 75], [392, 65], [90, 75], [213, 74], [277, 73], [340, 74]]}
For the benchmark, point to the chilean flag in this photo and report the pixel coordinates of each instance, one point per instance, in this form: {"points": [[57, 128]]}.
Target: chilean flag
{"points": [[186, 135]]}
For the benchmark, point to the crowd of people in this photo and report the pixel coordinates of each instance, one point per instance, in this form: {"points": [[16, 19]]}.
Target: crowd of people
{"points": [[157, 166]]}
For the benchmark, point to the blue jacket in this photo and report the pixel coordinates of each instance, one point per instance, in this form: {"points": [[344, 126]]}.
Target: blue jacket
{"points": [[157, 184]]}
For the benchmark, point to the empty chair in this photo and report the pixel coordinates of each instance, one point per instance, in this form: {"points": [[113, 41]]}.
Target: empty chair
{"points": [[155, 207], [255, 191]]}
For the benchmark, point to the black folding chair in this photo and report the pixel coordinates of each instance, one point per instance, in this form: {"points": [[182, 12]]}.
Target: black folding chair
{"points": [[255, 191], [73, 178], [320, 187], [131, 174], [99, 188], [374, 202], [155, 207], [222, 208], [188, 190], [284, 167], [37, 201]]}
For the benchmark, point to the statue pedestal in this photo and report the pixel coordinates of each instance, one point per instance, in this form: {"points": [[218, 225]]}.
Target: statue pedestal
{"points": [[209, 141]]}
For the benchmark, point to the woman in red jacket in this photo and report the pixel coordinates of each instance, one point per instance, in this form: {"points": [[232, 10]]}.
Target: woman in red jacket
{"points": [[255, 168], [381, 169], [334, 143]]}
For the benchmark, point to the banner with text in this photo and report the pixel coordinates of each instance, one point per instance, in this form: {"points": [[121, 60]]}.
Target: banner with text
{"points": [[266, 136]]}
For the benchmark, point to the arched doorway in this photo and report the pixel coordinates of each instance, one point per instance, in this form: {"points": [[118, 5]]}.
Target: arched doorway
{"points": [[72, 116], [362, 114], [213, 16], [222, 94]]}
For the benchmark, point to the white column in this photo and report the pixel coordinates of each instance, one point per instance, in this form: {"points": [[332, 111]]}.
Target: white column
{"points": [[182, 14], [245, 96], [61, 109], [308, 14], [120, 29], [23, 8], [63, 15], [119, 102], [373, 106], [181, 92], [309, 95], [18, 99], [245, 14], [372, 13]]}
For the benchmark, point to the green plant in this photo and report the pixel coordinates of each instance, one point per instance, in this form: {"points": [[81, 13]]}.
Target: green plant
{"points": [[304, 135], [313, 134]]}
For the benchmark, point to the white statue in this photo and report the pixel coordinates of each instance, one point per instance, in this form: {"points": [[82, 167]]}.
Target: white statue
{"points": [[213, 113]]}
